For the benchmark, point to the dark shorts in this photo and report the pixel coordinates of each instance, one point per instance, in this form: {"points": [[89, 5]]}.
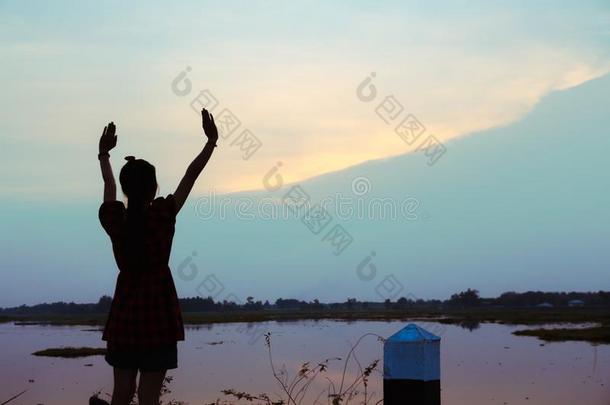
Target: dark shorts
{"points": [[163, 358]]}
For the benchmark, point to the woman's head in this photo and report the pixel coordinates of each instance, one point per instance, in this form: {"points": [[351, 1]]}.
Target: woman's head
{"points": [[138, 181]]}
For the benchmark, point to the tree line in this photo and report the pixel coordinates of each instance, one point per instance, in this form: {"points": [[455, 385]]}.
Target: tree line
{"points": [[464, 299]]}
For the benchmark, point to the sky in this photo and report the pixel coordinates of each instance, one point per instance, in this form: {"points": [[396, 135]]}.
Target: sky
{"points": [[289, 72]]}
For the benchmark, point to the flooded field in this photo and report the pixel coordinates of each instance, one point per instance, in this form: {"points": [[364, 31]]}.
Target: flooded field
{"points": [[486, 365]]}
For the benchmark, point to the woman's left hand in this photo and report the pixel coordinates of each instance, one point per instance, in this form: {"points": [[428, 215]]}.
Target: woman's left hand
{"points": [[108, 138], [209, 126]]}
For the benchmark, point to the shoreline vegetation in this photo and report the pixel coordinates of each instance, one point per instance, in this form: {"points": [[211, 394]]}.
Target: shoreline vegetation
{"points": [[595, 334], [71, 352], [569, 316], [596, 320]]}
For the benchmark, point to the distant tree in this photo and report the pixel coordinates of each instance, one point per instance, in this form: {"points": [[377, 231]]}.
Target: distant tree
{"points": [[402, 303], [289, 303], [316, 304], [467, 298], [199, 304], [351, 303], [103, 304]]}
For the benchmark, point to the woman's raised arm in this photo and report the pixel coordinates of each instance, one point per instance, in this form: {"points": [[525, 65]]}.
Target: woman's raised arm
{"points": [[107, 142], [195, 168]]}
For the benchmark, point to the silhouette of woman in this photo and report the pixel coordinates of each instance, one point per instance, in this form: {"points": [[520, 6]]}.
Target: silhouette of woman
{"points": [[145, 321]]}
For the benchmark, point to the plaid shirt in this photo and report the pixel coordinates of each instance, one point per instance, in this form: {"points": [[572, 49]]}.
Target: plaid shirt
{"points": [[145, 311]]}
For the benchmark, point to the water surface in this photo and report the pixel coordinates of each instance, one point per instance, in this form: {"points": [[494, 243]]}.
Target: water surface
{"points": [[488, 365]]}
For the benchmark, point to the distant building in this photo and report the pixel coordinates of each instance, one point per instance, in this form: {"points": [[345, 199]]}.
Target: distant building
{"points": [[576, 303], [545, 305]]}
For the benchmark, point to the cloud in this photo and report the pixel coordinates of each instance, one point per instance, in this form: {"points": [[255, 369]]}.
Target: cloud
{"points": [[289, 73]]}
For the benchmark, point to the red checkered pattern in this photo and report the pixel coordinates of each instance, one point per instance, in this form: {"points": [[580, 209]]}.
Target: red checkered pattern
{"points": [[145, 311]]}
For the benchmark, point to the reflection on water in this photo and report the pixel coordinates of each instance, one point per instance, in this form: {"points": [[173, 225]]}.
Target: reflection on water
{"points": [[469, 324], [481, 364]]}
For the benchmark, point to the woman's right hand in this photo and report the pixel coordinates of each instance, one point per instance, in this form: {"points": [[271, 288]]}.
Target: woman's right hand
{"points": [[209, 127], [108, 138]]}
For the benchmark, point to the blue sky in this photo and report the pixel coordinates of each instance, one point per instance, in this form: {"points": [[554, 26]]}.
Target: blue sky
{"points": [[288, 70]]}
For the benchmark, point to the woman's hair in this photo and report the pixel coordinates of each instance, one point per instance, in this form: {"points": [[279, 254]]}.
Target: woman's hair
{"points": [[139, 184]]}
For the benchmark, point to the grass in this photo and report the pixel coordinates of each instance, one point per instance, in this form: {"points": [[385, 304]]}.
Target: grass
{"points": [[71, 352], [467, 317], [523, 316], [594, 334]]}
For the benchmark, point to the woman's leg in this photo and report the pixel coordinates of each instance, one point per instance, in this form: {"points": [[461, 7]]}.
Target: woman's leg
{"points": [[124, 386], [149, 388]]}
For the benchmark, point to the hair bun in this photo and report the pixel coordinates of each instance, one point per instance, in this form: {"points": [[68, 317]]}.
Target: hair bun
{"points": [[130, 158]]}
